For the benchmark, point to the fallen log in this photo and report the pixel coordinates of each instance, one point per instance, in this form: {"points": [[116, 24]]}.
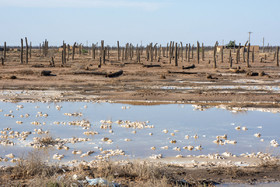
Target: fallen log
{"points": [[115, 74], [182, 72], [151, 65], [188, 67]]}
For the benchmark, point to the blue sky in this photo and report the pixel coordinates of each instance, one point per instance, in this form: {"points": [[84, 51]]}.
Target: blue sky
{"points": [[136, 21]]}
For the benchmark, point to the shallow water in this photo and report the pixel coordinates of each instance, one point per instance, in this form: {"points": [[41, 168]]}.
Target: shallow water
{"points": [[183, 118]]}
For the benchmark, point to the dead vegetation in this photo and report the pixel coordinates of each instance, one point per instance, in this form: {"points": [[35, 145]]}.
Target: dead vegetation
{"points": [[33, 172]]}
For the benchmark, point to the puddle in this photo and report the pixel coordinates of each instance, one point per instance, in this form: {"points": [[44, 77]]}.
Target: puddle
{"points": [[178, 120]]}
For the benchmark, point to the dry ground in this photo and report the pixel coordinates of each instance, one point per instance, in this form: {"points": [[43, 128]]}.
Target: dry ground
{"points": [[140, 83]]}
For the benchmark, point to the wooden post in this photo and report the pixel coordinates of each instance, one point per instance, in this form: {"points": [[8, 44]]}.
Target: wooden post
{"points": [[238, 54], [100, 62], [253, 55], [80, 49], [40, 48], [277, 56], [248, 55], [197, 52], [30, 49], [46, 47], [170, 52], [152, 52], [189, 54], [64, 53], [126, 52], [68, 50], [215, 51], [73, 51], [93, 51], [202, 51], [176, 55], [2, 61], [21, 51], [62, 56], [244, 51], [5, 51], [122, 54], [167, 50], [182, 52], [222, 54], [118, 44], [230, 59], [186, 52], [102, 52], [26, 56], [192, 50]]}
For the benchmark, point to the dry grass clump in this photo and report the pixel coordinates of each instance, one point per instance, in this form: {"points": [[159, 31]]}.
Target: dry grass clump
{"points": [[139, 173], [32, 166], [47, 140]]}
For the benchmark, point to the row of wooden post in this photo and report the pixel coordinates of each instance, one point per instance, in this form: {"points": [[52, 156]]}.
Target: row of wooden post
{"points": [[153, 52]]}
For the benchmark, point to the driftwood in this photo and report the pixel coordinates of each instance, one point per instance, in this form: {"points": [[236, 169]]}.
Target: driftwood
{"points": [[151, 66], [182, 72], [188, 67], [115, 74]]}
